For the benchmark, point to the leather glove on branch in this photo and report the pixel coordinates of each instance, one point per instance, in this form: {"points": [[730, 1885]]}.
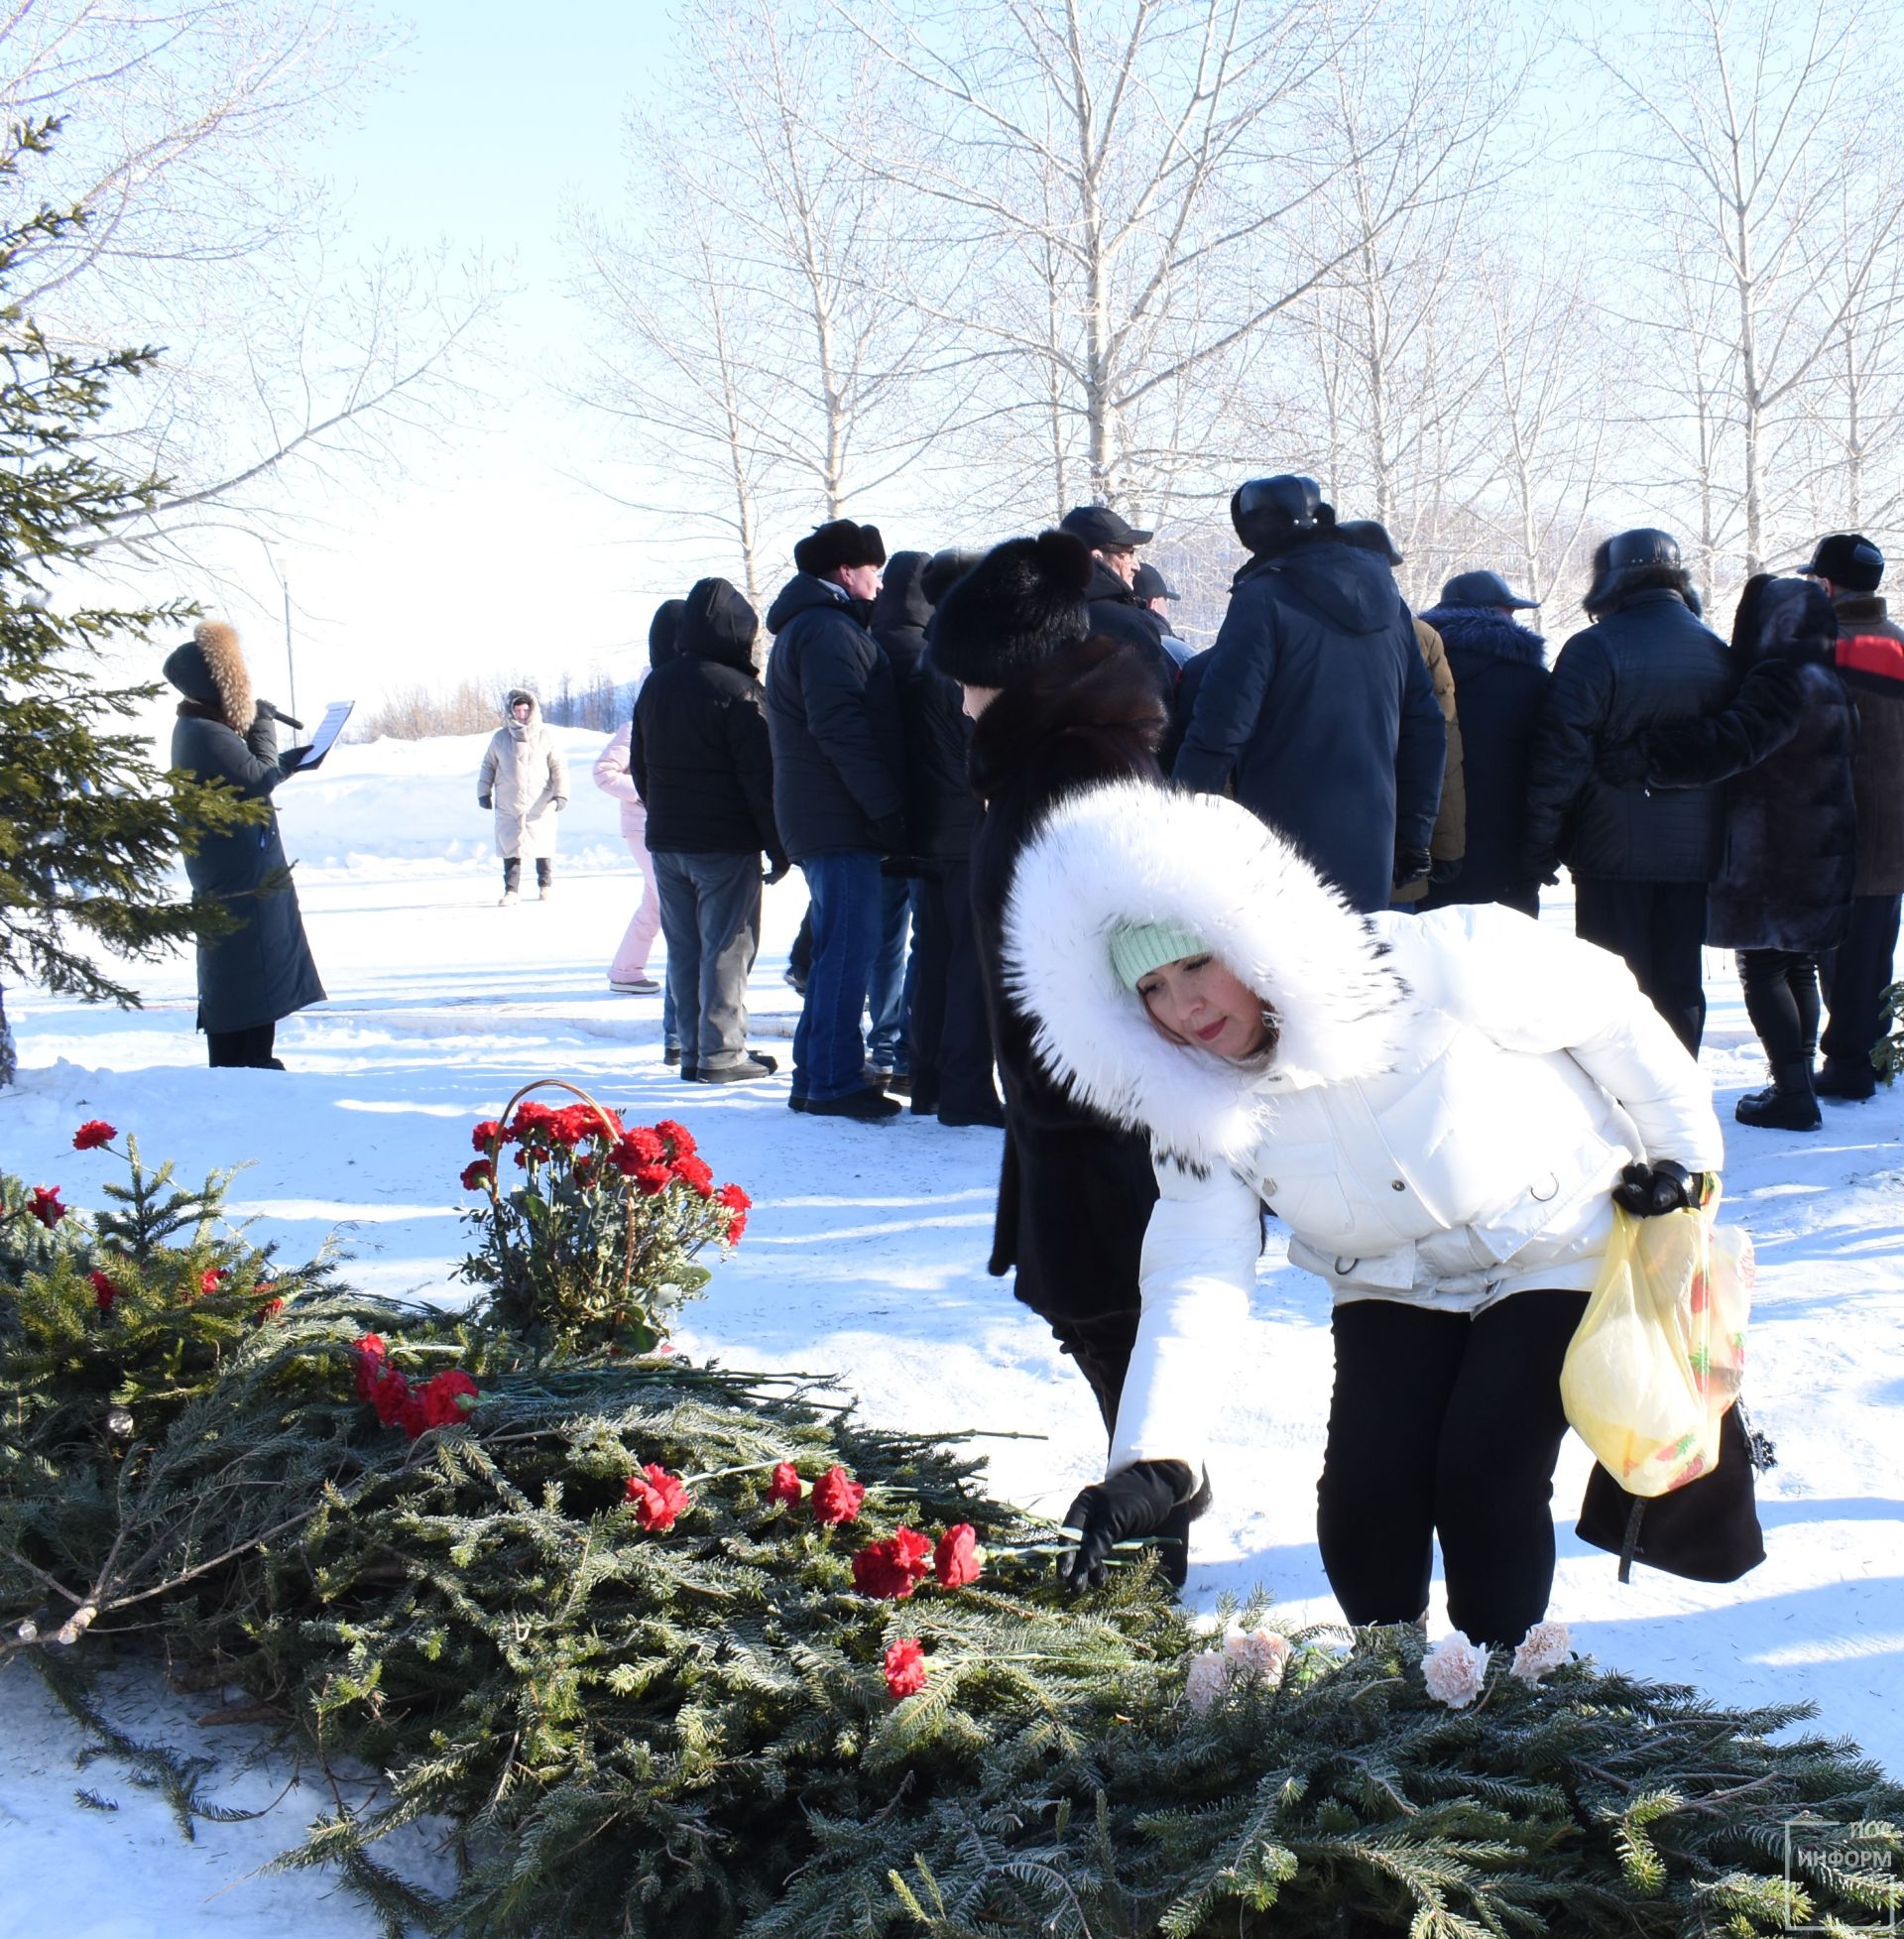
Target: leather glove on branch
{"points": [[1648, 1192], [1411, 865], [1136, 1501]]}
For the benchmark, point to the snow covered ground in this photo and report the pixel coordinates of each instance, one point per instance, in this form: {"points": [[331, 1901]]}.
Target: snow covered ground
{"points": [[865, 1259]]}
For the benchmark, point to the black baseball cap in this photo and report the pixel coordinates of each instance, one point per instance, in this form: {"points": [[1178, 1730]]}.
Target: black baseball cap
{"points": [[1848, 560], [1151, 585], [1102, 530]]}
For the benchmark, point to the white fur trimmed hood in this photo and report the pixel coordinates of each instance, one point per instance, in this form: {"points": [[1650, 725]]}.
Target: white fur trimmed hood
{"points": [[1129, 852]]}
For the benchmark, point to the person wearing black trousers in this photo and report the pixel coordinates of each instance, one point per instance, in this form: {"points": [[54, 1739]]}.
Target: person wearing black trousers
{"points": [[950, 1037]]}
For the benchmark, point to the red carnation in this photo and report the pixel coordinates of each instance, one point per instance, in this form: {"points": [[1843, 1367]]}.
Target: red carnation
{"points": [[449, 1398], [584, 1171], [647, 1144], [45, 1207], [904, 1667], [369, 1352], [679, 1137], [390, 1396], [735, 1199], [478, 1173], [408, 1414], [892, 1569], [487, 1135], [208, 1279], [698, 1173], [955, 1561], [653, 1179], [270, 1309], [104, 1291], [658, 1498], [569, 1127], [837, 1497], [786, 1485], [92, 1134]]}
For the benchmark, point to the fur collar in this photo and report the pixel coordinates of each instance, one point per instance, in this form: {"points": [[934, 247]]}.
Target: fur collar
{"points": [[225, 662], [1091, 707], [1488, 630], [1131, 852]]}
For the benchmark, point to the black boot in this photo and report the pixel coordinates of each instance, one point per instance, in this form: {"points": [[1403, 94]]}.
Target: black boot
{"points": [[1789, 1105], [1852, 1082]]}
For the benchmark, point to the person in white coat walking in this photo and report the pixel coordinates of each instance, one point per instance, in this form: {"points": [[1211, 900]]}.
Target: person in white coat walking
{"points": [[525, 779], [1441, 1109]]}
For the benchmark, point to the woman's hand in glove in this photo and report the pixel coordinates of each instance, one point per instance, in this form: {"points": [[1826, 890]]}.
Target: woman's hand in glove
{"points": [[1649, 1190], [1135, 1501]]}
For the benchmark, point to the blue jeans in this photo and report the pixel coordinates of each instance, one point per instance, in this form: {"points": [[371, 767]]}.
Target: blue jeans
{"points": [[886, 1041], [848, 909]]}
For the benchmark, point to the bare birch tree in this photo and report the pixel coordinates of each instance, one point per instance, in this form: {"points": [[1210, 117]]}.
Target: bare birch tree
{"points": [[1749, 140], [181, 127]]}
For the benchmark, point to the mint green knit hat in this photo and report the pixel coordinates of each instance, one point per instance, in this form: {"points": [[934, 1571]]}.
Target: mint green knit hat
{"points": [[1136, 948]]}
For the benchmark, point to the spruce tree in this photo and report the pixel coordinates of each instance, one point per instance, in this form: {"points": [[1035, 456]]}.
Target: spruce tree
{"points": [[88, 824]]}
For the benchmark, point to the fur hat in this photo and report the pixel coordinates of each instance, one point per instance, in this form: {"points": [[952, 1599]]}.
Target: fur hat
{"points": [[1005, 616], [944, 569], [839, 542], [211, 670], [1131, 854], [1785, 619]]}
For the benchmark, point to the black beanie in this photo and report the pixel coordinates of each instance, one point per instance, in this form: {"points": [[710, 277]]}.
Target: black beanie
{"points": [[1013, 610], [839, 542]]}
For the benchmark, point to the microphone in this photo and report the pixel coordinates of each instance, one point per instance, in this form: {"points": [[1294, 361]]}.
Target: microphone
{"points": [[277, 714]]}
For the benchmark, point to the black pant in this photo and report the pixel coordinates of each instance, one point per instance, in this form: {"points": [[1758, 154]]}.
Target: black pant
{"points": [[513, 871], [1658, 927], [950, 1033], [1857, 975], [1443, 1424], [243, 1050], [1781, 999]]}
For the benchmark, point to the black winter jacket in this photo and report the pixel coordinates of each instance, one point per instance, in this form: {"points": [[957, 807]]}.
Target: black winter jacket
{"points": [[1648, 663], [1871, 662], [1075, 1194], [1783, 749], [941, 806], [263, 970], [832, 712], [1118, 614], [1316, 698], [1501, 679], [699, 753]]}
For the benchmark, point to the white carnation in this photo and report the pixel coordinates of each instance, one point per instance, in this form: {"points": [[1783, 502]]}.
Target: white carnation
{"points": [[1207, 1675], [1260, 1653], [1455, 1670], [1546, 1647]]}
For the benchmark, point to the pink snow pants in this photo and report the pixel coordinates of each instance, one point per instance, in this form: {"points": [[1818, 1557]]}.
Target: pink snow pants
{"points": [[631, 960]]}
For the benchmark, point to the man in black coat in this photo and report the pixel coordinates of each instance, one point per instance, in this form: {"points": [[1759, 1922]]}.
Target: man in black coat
{"points": [[1057, 709], [949, 1034], [1316, 701], [1117, 609], [1871, 662], [1501, 675], [839, 800], [1640, 860], [700, 761]]}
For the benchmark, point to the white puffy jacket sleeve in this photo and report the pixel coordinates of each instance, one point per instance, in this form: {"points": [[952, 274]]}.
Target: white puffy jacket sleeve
{"points": [[1534, 988], [1199, 1262]]}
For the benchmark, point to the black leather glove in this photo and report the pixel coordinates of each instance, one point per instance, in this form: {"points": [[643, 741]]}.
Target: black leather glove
{"points": [[1136, 1501], [779, 868], [888, 834], [1622, 764], [1540, 865], [485, 800], [1444, 871], [1649, 1190], [1411, 865]]}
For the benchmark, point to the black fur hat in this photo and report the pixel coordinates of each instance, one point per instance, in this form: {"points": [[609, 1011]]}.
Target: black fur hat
{"points": [[1013, 610], [839, 542]]}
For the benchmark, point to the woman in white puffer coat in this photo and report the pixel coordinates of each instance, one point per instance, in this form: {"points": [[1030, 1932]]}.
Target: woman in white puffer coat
{"points": [[1439, 1108], [526, 780]]}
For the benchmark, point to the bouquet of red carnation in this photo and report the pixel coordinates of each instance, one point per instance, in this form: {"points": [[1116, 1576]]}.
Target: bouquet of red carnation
{"points": [[589, 1228]]}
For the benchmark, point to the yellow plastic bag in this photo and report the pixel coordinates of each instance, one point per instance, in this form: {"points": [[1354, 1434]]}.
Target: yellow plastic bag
{"points": [[1661, 1352]]}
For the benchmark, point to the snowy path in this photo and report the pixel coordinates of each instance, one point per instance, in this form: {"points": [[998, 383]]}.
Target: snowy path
{"points": [[865, 1259]]}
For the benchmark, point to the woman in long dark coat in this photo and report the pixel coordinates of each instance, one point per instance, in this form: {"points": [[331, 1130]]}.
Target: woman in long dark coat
{"points": [[1785, 745], [261, 970], [1057, 710]]}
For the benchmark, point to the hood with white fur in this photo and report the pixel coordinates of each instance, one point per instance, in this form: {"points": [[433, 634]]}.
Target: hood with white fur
{"points": [[1127, 852]]}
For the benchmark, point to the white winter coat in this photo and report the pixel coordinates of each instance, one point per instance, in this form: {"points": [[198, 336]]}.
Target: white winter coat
{"points": [[524, 772], [614, 775], [1449, 1104]]}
